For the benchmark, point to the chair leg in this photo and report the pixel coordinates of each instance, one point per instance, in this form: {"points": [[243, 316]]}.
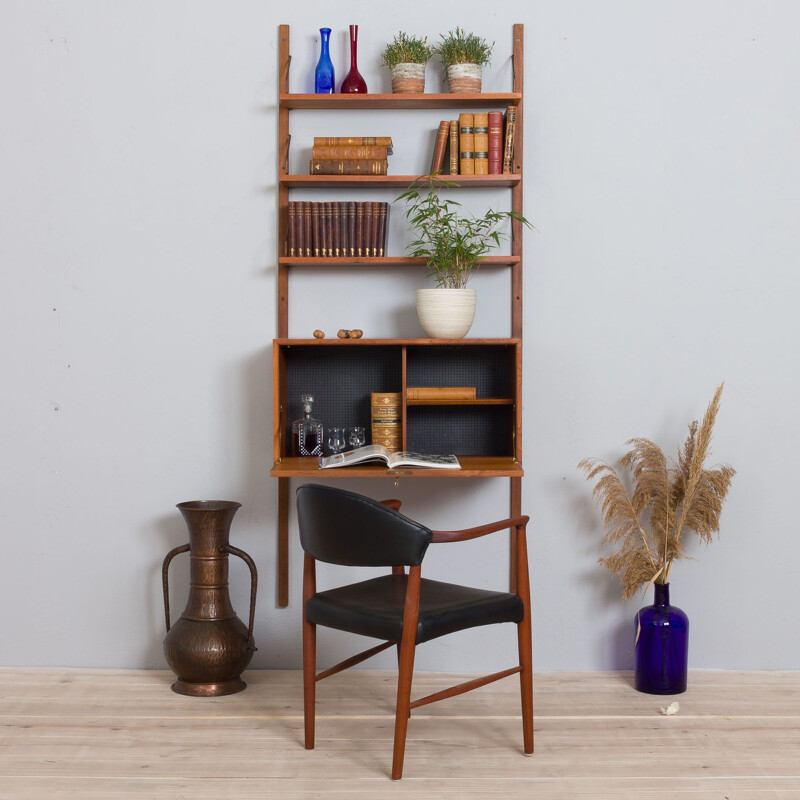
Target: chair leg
{"points": [[309, 680], [402, 712], [526, 682]]}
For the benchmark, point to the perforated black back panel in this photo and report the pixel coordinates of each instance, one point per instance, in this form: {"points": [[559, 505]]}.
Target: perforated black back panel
{"points": [[341, 380]]}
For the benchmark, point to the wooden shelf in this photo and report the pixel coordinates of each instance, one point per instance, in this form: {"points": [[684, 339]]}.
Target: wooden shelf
{"points": [[471, 467], [334, 341], [399, 101], [475, 401], [391, 181], [386, 261]]}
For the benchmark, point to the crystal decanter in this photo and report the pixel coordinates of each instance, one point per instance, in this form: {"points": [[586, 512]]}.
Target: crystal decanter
{"points": [[307, 432]]}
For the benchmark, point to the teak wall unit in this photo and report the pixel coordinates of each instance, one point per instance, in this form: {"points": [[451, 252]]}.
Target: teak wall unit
{"points": [[485, 433]]}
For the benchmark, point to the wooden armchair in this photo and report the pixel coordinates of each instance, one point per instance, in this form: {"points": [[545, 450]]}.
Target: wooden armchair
{"points": [[403, 609]]}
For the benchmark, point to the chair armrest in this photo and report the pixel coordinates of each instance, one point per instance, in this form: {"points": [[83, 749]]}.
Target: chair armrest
{"points": [[474, 533], [393, 504]]}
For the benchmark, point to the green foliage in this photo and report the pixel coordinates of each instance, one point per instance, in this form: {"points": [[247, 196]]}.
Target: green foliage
{"points": [[458, 47], [405, 49], [451, 242]]}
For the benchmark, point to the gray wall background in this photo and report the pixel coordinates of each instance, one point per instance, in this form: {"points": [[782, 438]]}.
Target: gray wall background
{"points": [[138, 253]]}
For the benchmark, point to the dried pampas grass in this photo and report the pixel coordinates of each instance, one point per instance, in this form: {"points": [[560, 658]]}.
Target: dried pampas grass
{"points": [[646, 527]]}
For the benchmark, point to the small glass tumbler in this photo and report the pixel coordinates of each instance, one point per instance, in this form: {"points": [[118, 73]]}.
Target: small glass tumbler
{"points": [[357, 437]]}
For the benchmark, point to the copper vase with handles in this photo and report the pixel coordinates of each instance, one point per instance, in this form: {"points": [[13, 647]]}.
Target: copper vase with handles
{"points": [[209, 647]]}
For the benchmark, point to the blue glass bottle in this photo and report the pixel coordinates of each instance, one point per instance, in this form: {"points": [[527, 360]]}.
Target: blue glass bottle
{"points": [[662, 646], [323, 74]]}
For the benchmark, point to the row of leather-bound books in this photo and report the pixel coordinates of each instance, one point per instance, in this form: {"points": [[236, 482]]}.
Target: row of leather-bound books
{"points": [[476, 144], [335, 229]]}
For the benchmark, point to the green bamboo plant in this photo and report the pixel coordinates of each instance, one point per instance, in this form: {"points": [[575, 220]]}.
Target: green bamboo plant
{"points": [[647, 526], [453, 241]]}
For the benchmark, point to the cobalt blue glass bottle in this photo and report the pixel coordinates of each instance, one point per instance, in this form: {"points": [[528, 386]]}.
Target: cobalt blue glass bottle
{"points": [[662, 646], [323, 75]]}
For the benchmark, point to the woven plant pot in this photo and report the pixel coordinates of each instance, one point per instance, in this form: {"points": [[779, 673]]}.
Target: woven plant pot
{"points": [[446, 313], [464, 77], [408, 77]]}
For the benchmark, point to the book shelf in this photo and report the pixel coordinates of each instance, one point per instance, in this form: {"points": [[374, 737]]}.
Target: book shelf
{"points": [[484, 432]]}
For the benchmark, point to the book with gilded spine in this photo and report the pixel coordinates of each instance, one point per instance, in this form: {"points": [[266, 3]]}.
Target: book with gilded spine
{"points": [[495, 142], [386, 417], [336, 220], [508, 147], [291, 229], [481, 143], [321, 152], [348, 166], [307, 229], [315, 229], [453, 147], [357, 141], [466, 144], [351, 227]]}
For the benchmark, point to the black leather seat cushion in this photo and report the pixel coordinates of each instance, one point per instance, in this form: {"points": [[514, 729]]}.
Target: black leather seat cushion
{"points": [[375, 608]]}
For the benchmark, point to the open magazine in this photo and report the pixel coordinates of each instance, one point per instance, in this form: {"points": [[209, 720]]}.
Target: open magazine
{"points": [[377, 452]]}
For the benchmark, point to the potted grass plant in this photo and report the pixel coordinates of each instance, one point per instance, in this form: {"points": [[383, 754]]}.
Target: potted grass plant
{"points": [[648, 528], [453, 242], [463, 57], [407, 56]]}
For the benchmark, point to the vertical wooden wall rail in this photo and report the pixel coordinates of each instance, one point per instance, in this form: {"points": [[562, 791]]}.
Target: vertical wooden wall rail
{"points": [[283, 304], [515, 499]]}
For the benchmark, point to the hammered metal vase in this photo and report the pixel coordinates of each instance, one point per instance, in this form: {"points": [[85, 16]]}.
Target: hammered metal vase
{"points": [[209, 647]]}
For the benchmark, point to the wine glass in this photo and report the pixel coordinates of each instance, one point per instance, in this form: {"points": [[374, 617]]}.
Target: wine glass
{"points": [[357, 437], [336, 440]]}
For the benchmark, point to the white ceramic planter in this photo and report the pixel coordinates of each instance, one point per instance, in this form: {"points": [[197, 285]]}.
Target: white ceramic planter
{"points": [[408, 77], [464, 77], [446, 313]]}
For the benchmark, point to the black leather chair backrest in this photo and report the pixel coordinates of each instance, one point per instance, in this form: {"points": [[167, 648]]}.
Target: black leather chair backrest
{"points": [[340, 527]]}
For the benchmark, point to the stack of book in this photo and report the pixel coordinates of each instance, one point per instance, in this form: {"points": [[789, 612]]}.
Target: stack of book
{"points": [[476, 144], [386, 420], [337, 229], [350, 155]]}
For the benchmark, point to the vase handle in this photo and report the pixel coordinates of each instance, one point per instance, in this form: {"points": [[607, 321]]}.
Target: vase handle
{"points": [[253, 588], [165, 577]]}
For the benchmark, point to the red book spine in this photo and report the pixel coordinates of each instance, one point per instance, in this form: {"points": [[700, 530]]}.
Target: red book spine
{"points": [[345, 152], [290, 229], [307, 228], [336, 214], [369, 220], [323, 229], [316, 229], [345, 215], [495, 142], [351, 226], [359, 229]]}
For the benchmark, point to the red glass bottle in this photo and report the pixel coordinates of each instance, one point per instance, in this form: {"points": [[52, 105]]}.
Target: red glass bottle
{"points": [[354, 83]]}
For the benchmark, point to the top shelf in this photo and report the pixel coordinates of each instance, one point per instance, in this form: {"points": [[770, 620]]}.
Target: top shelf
{"points": [[393, 101]]}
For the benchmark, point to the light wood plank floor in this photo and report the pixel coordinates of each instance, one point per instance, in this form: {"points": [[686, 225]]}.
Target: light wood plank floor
{"points": [[84, 734]]}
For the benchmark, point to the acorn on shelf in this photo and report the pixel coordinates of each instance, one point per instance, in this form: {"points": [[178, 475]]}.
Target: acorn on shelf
{"points": [[353, 334], [318, 334]]}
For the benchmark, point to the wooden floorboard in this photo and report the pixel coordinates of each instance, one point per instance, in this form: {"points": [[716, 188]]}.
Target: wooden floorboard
{"points": [[85, 734]]}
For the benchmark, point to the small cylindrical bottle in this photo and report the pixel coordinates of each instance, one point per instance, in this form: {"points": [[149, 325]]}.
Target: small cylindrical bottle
{"points": [[307, 432], [323, 74]]}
